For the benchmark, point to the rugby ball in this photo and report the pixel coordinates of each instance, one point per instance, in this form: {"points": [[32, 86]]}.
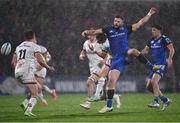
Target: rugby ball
{"points": [[6, 48]]}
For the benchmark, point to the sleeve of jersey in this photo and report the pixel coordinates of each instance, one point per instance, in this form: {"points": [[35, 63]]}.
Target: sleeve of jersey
{"points": [[44, 50], [167, 41], [37, 49]]}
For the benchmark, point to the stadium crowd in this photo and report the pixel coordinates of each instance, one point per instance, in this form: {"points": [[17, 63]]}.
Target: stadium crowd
{"points": [[59, 23]]}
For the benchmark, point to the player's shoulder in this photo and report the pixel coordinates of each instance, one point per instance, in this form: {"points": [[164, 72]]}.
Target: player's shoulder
{"points": [[86, 42], [43, 48], [166, 39]]}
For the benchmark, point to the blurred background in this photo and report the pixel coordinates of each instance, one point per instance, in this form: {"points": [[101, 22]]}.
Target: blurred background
{"points": [[58, 25]]}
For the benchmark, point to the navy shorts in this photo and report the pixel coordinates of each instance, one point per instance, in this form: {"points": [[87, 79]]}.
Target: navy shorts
{"points": [[160, 72], [118, 63]]}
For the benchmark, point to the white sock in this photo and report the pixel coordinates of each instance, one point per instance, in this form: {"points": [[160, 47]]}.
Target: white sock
{"points": [[25, 102], [117, 99], [47, 89], [40, 95], [99, 87], [31, 104]]}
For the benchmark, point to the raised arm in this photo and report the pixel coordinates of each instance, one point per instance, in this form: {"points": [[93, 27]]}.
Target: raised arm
{"points": [[144, 20], [92, 31], [171, 54]]}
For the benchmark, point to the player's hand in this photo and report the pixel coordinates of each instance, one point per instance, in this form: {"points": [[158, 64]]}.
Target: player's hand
{"points": [[169, 61], [152, 11], [82, 57], [84, 33]]}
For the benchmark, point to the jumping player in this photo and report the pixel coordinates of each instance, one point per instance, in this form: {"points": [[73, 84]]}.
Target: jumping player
{"points": [[118, 39]]}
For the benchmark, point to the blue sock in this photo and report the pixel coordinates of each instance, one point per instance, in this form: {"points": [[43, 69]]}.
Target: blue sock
{"points": [[109, 103], [149, 65], [155, 99], [163, 98]]}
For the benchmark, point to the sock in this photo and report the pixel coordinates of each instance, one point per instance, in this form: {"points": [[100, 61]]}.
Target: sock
{"points": [[155, 99], [116, 99], [25, 102], [40, 95], [28, 96], [31, 104], [99, 88], [163, 98], [145, 61], [110, 94], [46, 88]]}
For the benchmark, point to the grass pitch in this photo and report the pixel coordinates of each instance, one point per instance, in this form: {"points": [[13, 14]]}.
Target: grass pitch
{"points": [[67, 109]]}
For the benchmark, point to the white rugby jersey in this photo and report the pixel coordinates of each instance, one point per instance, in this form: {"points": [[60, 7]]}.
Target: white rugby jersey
{"points": [[26, 50], [43, 49], [93, 58], [45, 53]]}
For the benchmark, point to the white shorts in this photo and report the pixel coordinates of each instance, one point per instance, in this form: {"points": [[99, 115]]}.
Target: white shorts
{"points": [[25, 73], [95, 70], [41, 73]]}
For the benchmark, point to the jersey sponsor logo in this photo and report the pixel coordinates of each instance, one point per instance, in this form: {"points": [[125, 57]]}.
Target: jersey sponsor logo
{"points": [[155, 46], [111, 31], [118, 34]]}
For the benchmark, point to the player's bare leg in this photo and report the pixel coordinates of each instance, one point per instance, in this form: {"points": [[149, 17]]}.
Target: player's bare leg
{"points": [[40, 94], [154, 83], [113, 77], [143, 59], [90, 82], [33, 88], [47, 89]]}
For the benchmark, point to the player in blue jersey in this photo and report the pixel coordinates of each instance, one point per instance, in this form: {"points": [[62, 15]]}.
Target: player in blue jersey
{"points": [[159, 45], [117, 35]]}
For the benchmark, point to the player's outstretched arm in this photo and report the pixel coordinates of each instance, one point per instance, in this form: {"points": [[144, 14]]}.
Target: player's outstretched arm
{"points": [[144, 20], [92, 31]]}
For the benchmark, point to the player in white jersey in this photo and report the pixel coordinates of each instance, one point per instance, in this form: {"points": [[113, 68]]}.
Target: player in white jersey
{"points": [[40, 77], [95, 66], [24, 62]]}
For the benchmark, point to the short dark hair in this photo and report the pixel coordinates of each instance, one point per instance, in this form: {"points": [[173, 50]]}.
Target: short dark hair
{"points": [[119, 16], [101, 38], [157, 26], [29, 34]]}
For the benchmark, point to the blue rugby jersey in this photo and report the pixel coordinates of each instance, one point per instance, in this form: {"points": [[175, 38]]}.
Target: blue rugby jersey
{"points": [[158, 49], [118, 39]]}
